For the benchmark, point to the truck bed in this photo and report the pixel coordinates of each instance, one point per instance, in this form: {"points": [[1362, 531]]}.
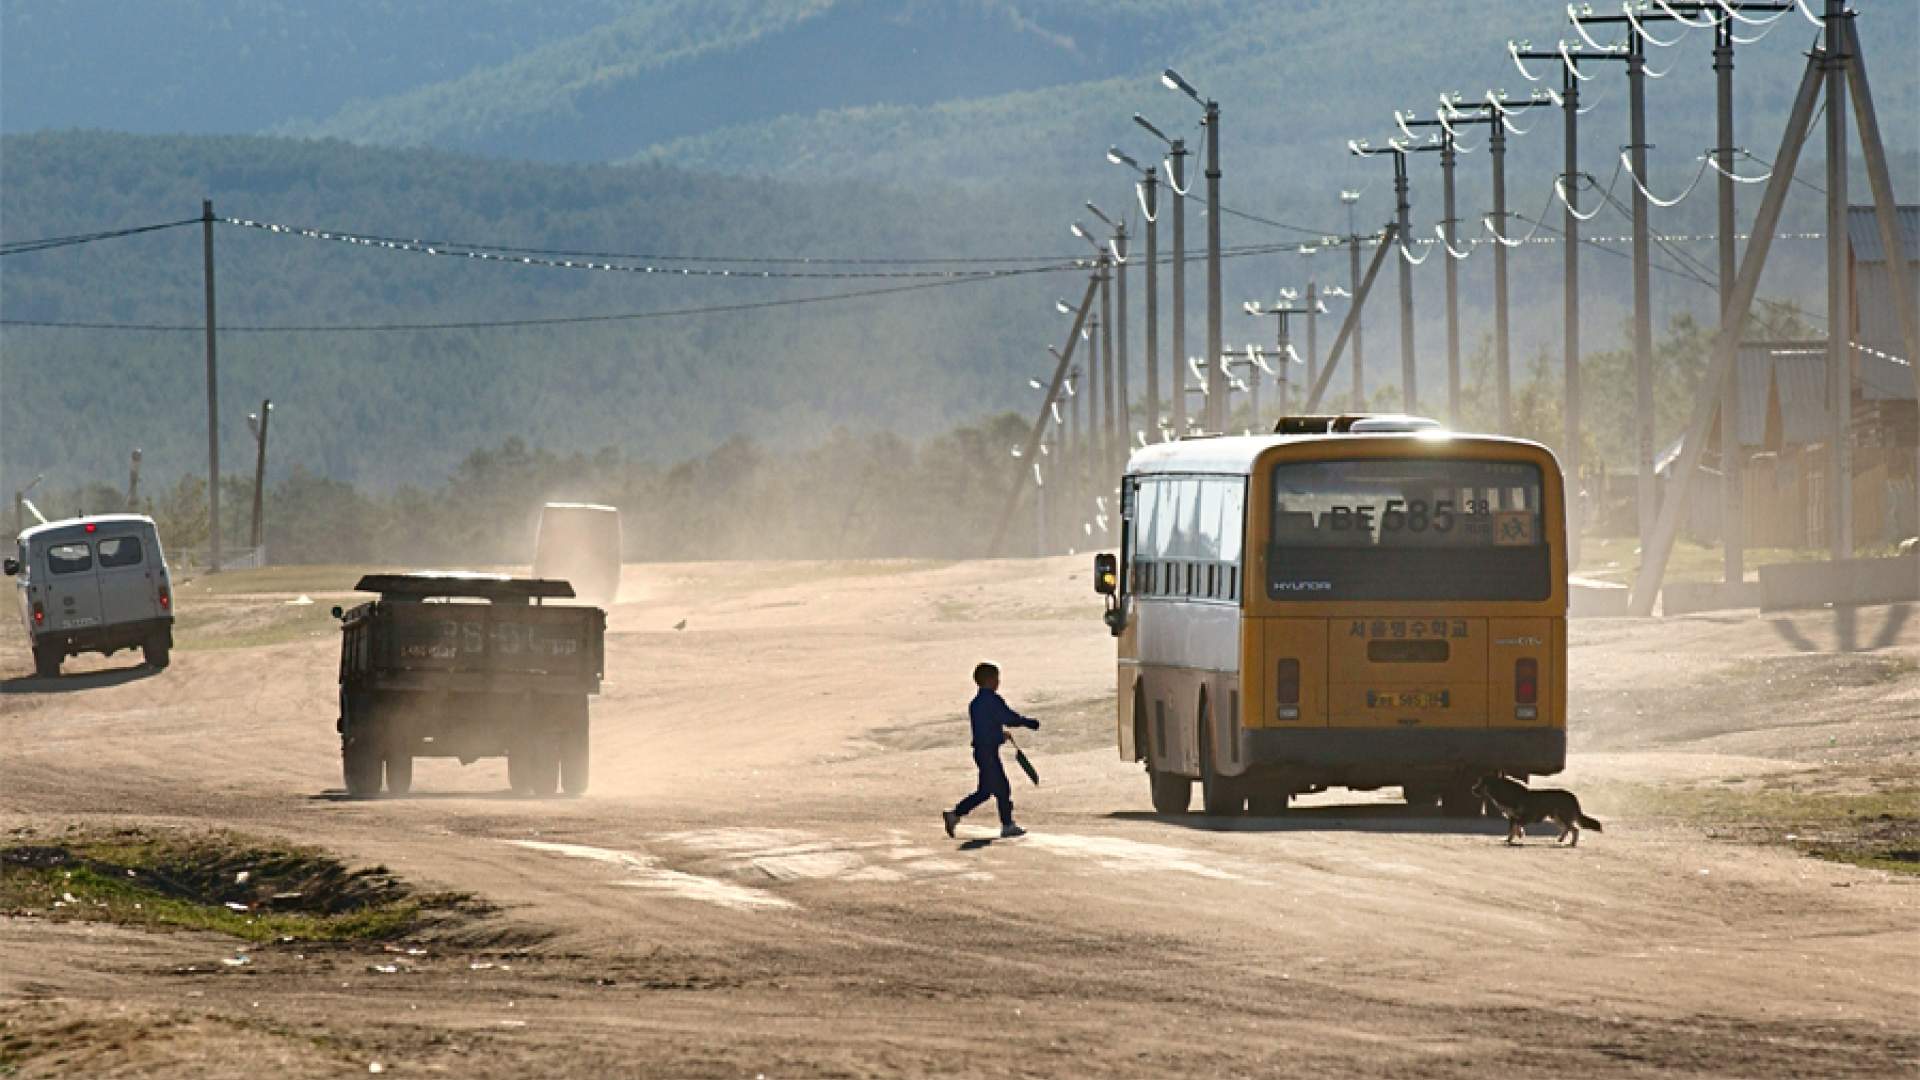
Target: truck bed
{"points": [[473, 646]]}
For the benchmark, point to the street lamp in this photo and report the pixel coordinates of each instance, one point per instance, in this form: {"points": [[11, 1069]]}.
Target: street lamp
{"points": [[1215, 401]]}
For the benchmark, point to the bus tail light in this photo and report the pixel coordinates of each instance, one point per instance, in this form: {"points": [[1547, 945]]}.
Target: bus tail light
{"points": [[39, 613], [1286, 686], [1526, 687], [166, 599]]}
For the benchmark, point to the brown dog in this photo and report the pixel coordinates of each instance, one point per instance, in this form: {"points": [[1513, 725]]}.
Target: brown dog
{"points": [[1522, 806]]}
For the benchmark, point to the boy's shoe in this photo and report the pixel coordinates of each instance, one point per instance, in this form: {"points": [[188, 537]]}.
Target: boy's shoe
{"points": [[949, 819], [1008, 832]]}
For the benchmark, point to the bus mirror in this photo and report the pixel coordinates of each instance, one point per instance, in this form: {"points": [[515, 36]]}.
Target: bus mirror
{"points": [[11, 566], [1106, 575]]}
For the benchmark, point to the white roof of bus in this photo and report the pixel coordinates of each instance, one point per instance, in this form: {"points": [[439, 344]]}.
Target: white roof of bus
{"points": [[582, 506], [1235, 454], [79, 523]]}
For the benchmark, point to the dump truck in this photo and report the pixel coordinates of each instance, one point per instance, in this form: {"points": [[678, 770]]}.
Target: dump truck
{"points": [[467, 666]]}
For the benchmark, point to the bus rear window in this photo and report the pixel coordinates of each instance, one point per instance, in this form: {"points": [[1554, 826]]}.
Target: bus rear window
{"points": [[69, 558], [1414, 529]]}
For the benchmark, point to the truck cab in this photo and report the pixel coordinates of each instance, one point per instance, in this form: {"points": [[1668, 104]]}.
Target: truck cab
{"points": [[93, 584]]}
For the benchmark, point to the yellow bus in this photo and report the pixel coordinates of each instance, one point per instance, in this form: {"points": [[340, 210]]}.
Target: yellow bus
{"points": [[1355, 601]]}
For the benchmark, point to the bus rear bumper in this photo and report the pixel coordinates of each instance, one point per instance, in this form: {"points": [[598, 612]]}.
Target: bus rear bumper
{"points": [[1378, 757]]}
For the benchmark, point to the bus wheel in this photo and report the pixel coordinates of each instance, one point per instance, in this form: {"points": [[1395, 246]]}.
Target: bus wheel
{"points": [[1220, 796], [1171, 793], [1459, 801], [1272, 804], [1420, 799]]}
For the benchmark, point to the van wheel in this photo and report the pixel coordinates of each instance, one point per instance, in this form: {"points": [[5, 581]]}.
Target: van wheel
{"points": [[360, 766], [156, 651], [46, 661], [574, 750], [399, 771], [1220, 796], [1171, 793]]}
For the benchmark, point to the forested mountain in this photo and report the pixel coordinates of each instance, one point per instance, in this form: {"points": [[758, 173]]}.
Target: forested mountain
{"points": [[848, 128]]}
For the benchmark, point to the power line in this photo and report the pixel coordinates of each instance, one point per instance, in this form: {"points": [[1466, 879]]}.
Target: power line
{"points": [[24, 247], [562, 259], [573, 320]]}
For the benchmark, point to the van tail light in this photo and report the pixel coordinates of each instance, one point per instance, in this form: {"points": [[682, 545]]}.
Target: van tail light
{"points": [[1526, 681], [39, 613], [166, 599], [1286, 689]]}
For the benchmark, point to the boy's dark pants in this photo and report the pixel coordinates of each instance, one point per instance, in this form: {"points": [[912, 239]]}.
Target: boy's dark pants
{"points": [[993, 784]]}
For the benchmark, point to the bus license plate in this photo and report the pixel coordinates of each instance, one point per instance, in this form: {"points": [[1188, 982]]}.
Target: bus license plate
{"points": [[1407, 699]]}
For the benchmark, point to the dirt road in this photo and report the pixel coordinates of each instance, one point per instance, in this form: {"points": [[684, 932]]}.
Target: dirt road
{"points": [[759, 884]]}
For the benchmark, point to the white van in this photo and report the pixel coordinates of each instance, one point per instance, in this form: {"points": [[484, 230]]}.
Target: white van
{"points": [[579, 543], [94, 584]]}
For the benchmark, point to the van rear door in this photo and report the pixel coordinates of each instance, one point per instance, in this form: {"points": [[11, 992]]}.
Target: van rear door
{"points": [[126, 577], [71, 588]]}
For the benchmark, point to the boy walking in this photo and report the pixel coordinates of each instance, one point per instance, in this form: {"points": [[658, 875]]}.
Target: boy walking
{"points": [[990, 718]]}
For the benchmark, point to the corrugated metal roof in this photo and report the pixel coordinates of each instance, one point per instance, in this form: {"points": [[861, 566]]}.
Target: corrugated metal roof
{"points": [[1883, 380], [1802, 380], [1863, 233]]}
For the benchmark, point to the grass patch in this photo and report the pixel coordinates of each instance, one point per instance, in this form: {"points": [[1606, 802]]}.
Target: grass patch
{"points": [[1879, 829], [247, 625], [218, 883]]}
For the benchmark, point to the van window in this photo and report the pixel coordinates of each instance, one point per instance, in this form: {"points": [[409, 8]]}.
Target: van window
{"points": [[119, 551], [69, 558]]}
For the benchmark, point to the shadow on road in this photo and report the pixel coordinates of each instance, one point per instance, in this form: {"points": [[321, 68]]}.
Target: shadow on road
{"points": [[1846, 630], [67, 684], [1373, 818], [337, 795]]}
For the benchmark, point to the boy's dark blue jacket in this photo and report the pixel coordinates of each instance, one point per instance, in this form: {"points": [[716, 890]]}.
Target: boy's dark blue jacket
{"points": [[990, 715]]}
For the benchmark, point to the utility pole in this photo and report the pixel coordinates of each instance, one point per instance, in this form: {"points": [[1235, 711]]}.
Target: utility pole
{"points": [[1216, 375], [133, 483], [1843, 41], [1570, 309], [1283, 341], [1646, 493], [1115, 256], [1099, 453], [1359, 399], [1350, 323], [1449, 225], [1046, 415], [213, 395], [1839, 316], [1114, 434], [258, 423], [1177, 360], [1732, 459], [1313, 333], [1409, 376]]}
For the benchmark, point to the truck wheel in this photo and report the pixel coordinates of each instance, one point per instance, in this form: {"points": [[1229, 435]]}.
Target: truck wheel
{"points": [[1171, 793], [360, 765], [399, 771], [156, 651], [46, 661], [574, 757], [544, 778]]}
